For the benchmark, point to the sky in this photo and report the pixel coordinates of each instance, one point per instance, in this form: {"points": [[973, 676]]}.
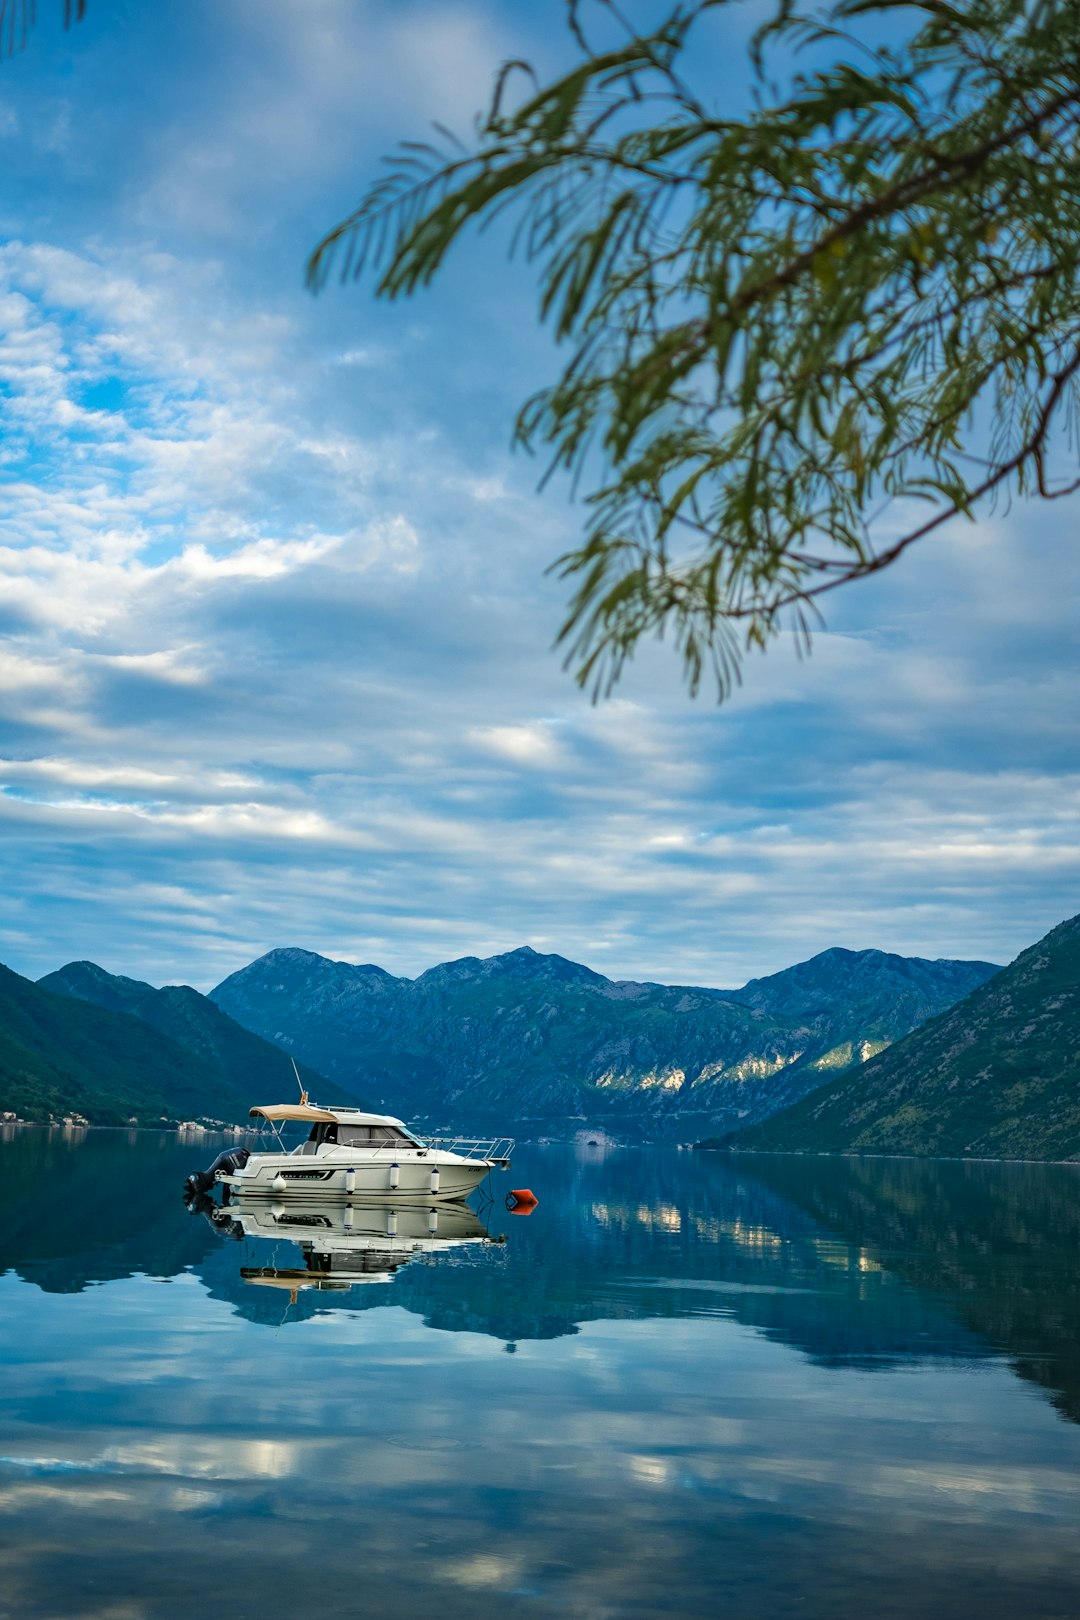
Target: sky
{"points": [[276, 659]]}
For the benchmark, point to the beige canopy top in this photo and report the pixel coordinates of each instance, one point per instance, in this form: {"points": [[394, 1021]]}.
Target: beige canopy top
{"points": [[265, 1277], [305, 1111]]}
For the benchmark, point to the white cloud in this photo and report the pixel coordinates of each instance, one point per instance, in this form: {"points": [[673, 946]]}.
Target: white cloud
{"points": [[261, 559], [277, 659], [533, 745]]}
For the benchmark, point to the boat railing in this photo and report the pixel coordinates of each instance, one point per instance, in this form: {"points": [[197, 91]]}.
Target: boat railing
{"points": [[498, 1148]]}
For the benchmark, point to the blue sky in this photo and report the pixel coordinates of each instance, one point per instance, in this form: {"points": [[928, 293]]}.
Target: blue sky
{"points": [[275, 636]]}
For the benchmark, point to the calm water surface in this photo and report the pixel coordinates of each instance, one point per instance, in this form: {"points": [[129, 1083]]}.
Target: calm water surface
{"points": [[686, 1385]]}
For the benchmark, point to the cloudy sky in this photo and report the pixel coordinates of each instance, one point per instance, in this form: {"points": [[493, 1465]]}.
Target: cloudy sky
{"points": [[275, 634]]}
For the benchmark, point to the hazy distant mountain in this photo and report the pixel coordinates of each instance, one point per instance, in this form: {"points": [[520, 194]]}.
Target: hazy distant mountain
{"points": [[249, 1067], [525, 1035], [59, 1056], [997, 1075]]}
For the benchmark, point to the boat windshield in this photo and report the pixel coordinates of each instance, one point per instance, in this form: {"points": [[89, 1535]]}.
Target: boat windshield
{"points": [[345, 1135]]}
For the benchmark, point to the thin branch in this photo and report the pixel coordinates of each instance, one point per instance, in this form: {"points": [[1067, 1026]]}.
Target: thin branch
{"points": [[1032, 450]]}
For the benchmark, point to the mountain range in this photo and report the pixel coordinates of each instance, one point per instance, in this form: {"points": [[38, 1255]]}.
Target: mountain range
{"points": [[995, 1076], [530, 1037], [850, 1051]]}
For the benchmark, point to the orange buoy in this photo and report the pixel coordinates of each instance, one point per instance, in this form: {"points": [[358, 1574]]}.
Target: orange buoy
{"points": [[521, 1201]]}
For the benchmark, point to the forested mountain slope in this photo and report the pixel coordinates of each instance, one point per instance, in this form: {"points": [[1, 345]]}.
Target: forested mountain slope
{"points": [[996, 1076], [59, 1056], [249, 1066]]}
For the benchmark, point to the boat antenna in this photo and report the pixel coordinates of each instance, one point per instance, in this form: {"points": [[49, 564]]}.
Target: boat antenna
{"points": [[300, 1083]]}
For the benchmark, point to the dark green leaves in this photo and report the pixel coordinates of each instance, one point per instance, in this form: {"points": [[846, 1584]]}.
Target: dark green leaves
{"points": [[17, 17], [789, 332]]}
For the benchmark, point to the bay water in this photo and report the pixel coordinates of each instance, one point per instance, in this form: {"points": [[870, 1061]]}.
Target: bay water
{"points": [[686, 1384]]}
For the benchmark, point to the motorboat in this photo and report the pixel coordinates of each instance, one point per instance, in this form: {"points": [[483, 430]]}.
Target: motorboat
{"points": [[350, 1154]]}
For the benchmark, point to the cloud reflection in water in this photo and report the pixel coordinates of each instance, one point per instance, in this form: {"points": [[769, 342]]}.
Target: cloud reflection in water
{"points": [[796, 1396]]}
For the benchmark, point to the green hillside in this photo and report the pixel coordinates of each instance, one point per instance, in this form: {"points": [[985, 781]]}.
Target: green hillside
{"points": [[248, 1067], [59, 1056], [996, 1076]]}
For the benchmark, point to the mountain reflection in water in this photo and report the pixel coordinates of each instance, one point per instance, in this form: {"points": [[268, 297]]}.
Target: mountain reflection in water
{"points": [[739, 1383], [996, 1246], [855, 1262]]}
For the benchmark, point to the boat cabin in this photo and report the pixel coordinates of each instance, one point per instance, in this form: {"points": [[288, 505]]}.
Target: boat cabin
{"points": [[340, 1127], [344, 1133]]}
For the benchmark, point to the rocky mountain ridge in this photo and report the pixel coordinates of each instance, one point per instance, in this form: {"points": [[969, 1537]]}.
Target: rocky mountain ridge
{"points": [[525, 1035]]}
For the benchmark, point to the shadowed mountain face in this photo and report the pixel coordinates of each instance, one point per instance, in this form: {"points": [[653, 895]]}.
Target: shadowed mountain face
{"points": [[250, 1069], [996, 1076], [59, 1056], [529, 1036]]}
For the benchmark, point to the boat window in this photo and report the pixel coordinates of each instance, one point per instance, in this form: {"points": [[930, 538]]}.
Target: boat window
{"points": [[371, 1136]]}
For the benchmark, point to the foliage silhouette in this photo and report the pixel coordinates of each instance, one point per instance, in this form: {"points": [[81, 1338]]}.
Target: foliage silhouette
{"points": [[786, 329]]}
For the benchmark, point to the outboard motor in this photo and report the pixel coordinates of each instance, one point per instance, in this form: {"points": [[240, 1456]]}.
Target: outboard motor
{"points": [[216, 1215], [231, 1160]]}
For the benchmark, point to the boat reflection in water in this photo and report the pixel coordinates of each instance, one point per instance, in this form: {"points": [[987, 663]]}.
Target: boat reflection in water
{"points": [[343, 1244]]}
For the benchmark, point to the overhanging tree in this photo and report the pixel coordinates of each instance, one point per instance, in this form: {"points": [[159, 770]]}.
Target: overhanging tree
{"points": [[799, 340], [17, 17]]}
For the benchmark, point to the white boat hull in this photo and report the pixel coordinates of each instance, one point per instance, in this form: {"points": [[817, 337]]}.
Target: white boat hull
{"points": [[405, 1180]]}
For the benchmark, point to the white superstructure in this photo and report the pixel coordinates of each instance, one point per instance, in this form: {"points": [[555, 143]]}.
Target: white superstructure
{"points": [[350, 1154]]}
